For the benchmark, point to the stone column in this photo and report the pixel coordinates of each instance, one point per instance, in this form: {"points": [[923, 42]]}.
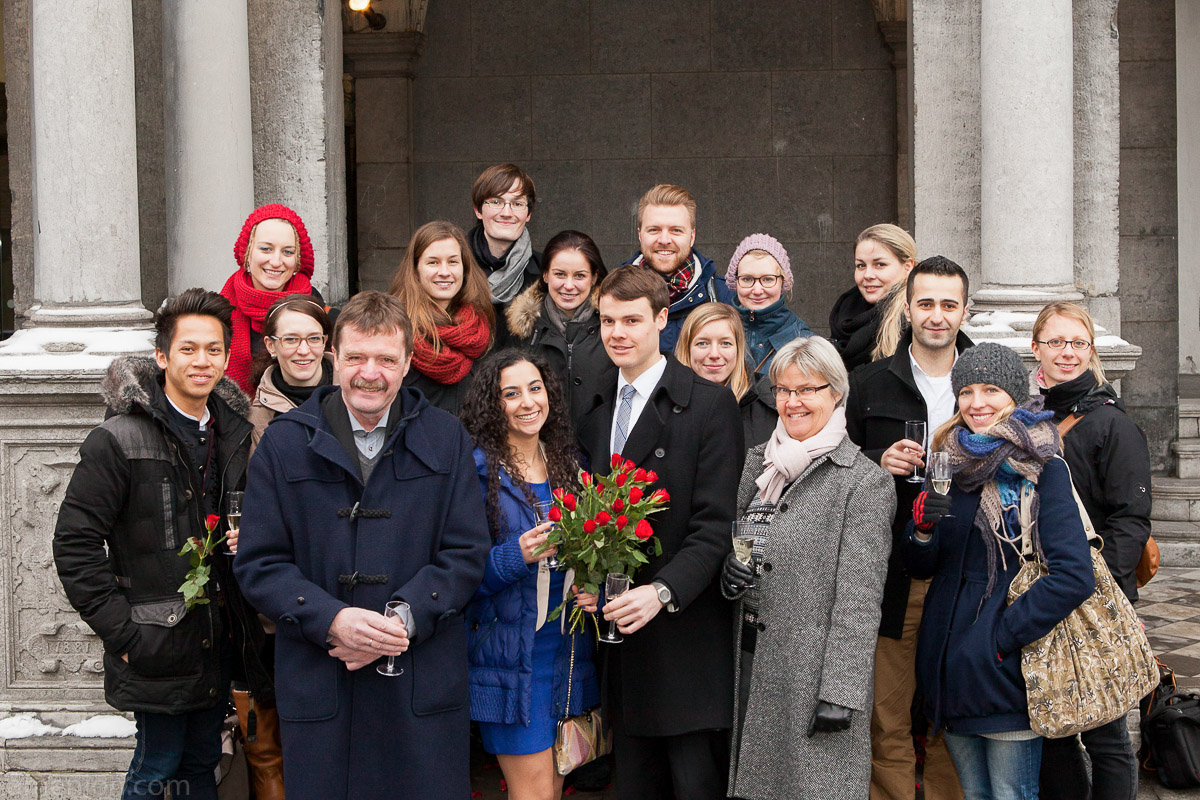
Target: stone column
{"points": [[892, 17], [1187, 105], [1027, 164], [85, 208], [209, 162], [298, 123]]}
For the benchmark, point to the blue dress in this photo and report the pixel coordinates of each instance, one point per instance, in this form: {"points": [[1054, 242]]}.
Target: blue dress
{"points": [[516, 739]]}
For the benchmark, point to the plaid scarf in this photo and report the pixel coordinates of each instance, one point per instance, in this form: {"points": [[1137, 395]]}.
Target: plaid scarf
{"points": [[1010, 454], [679, 280]]}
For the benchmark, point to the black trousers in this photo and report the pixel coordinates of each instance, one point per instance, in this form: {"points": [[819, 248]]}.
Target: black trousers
{"points": [[690, 766]]}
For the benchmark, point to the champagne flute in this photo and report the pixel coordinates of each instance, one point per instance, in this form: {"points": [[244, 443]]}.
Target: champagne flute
{"points": [[541, 511], [743, 545], [914, 429], [233, 515], [615, 586], [940, 473], [392, 609]]}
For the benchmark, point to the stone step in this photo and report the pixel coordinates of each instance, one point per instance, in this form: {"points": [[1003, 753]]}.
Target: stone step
{"points": [[1187, 456], [1179, 542], [1176, 499]]}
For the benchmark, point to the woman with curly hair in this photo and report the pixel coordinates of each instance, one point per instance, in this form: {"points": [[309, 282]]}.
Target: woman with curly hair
{"points": [[519, 662], [447, 299]]}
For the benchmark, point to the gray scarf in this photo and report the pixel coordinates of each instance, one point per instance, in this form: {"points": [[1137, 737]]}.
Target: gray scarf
{"points": [[558, 318], [507, 281]]}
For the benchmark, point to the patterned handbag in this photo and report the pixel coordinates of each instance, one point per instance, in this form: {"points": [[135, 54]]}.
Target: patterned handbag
{"points": [[581, 738], [1095, 665]]}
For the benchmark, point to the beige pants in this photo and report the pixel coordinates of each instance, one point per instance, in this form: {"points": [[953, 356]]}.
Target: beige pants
{"points": [[893, 765]]}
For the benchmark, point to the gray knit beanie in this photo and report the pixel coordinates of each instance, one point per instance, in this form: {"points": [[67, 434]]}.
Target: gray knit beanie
{"points": [[991, 362], [766, 243]]}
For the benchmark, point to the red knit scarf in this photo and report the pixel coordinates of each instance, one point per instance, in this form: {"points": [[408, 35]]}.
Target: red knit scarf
{"points": [[249, 308], [462, 343]]}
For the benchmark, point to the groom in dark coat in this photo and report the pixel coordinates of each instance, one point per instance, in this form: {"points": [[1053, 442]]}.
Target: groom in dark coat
{"points": [[363, 495], [670, 683]]}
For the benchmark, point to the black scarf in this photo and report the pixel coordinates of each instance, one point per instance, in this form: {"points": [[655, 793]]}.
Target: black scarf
{"points": [[298, 394], [852, 326]]}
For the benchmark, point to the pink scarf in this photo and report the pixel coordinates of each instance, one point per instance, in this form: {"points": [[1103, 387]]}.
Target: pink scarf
{"points": [[785, 458]]}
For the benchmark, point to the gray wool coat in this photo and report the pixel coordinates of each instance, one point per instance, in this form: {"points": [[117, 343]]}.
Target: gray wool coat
{"points": [[820, 586]]}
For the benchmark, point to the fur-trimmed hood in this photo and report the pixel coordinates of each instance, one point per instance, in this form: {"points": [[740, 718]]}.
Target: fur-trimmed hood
{"points": [[525, 309], [133, 380]]}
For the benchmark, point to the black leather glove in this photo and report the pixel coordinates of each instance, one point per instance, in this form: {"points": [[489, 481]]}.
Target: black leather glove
{"points": [[736, 577], [928, 508], [828, 718]]}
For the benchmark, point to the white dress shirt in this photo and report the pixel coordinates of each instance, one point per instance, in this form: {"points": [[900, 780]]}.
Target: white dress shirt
{"points": [[938, 394], [643, 387]]}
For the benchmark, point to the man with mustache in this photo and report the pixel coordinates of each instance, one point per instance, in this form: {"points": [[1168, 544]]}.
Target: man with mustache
{"points": [[913, 384], [365, 495], [666, 233]]}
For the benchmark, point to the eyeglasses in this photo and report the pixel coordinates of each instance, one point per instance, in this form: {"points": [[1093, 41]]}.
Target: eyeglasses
{"points": [[316, 341], [516, 205], [767, 281], [1058, 344], [804, 392]]}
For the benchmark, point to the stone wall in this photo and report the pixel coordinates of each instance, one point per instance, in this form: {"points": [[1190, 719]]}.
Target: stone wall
{"points": [[1149, 255], [779, 116]]}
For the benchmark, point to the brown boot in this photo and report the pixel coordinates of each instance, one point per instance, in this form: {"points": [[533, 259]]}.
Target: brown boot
{"points": [[264, 754]]}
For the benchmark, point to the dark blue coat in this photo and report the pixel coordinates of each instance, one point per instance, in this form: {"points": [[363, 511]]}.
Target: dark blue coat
{"points": [[304, 555], [969, 655], [710, 288], [500, 625], [767, 330]]}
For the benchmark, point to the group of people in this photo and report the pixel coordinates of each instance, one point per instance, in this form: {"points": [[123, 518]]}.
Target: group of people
{"points": [[388, 582]]}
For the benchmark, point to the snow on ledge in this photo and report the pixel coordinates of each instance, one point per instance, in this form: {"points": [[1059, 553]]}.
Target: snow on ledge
{"points": [[101, 726], [48, 349]]}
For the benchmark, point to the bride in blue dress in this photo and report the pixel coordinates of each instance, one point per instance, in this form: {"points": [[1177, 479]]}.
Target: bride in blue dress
{"points": [[519, 661]]}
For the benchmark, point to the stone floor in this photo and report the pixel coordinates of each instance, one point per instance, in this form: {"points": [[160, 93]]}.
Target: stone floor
{"points": [[1170, 608]]}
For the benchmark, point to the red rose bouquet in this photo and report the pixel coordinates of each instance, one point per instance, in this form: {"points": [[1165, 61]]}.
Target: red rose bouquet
{"points": [[197, 577], [603, 528]]}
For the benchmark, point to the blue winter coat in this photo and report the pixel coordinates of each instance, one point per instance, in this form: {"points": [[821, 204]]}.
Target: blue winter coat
{"points": [[968, 654], [710, 288], [767, 330], [315, 540], [500, 625]]}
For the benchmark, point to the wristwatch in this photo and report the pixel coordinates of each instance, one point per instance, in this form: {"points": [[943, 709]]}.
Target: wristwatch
{"points": [[664, 595]]}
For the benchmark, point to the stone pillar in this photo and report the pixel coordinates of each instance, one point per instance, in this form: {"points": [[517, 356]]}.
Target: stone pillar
{"points": [[297, 117], [85, 208], [209, 165], [1187, 105], [382, 67], [1027, 165]]}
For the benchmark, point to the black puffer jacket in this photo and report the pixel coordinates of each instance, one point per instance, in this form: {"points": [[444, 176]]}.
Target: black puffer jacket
{"points": [[759, 413], [135, 493], [1110, 467]]}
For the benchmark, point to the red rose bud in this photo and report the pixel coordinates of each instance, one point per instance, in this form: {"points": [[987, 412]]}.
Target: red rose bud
{"points": [[660, 496], [635, 494], [569, 501], [622, 521], [643, 530], [615, 461], [555, 514], [589, 526], [602, 517], [639, 476], [212, 521], [585, 478], [599, 486], [618, 504], [558, 493], [621, 479], [651, 476], [627, 466]]}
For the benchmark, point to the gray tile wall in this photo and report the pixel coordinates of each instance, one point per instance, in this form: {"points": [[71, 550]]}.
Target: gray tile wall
{"points": [[1149, 255], [778, 115]]}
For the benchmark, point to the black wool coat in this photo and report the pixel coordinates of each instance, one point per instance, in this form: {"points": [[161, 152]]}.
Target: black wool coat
{"points": [[675, 675], [883, 396], [759, 413]]}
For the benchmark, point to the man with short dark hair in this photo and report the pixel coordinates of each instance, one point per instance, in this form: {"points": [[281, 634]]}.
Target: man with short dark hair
{"points": [[363, 496], [670, 736], [913, 384], [174, 443], [666, 218]]}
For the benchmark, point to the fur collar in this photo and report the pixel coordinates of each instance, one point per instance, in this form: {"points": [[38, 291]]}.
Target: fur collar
{"points": [[525, 309], [133, 381]]}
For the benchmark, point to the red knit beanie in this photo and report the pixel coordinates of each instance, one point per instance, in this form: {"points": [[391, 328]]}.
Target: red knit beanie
{"points": [[276, 211]]}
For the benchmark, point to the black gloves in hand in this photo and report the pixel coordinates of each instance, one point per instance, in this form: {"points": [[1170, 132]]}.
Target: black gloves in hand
{"points": [[928, 508], [736, 577], [828, 718]]}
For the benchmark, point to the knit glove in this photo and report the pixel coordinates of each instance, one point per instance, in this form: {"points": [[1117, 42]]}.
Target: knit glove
{"points": [[829, 718], [736, 577], [928, 508]]}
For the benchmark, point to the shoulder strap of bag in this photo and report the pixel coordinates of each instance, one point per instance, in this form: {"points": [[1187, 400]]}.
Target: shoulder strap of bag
{"points": [[570, 676], [1069, 422], [1025, 515]]}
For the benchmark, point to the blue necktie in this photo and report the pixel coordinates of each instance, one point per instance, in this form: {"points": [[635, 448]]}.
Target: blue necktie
{"points": [[623, 415]]}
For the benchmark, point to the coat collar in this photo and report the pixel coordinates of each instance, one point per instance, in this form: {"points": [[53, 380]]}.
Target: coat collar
{"points": [[672, 395], [901, 362]]}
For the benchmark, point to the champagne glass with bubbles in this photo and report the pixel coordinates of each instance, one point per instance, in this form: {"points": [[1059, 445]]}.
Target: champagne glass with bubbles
{"points": [[233, 515], [743, 545], [940, 473], [392, 609], [615, 586]]}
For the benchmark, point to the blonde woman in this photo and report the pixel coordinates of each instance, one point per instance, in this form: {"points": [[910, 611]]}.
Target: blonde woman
{"points": [[713, 343], [883, 256]]}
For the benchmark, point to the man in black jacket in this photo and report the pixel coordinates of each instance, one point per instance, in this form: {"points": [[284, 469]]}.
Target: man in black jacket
{"points": [[670, 683], [914, 384], [174, 442]]}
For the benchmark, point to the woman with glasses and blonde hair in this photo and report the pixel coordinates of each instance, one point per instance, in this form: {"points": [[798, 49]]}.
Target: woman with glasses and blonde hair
{"points": [[1110, 467], [761, 275], [866, 321], [713, 343]]}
